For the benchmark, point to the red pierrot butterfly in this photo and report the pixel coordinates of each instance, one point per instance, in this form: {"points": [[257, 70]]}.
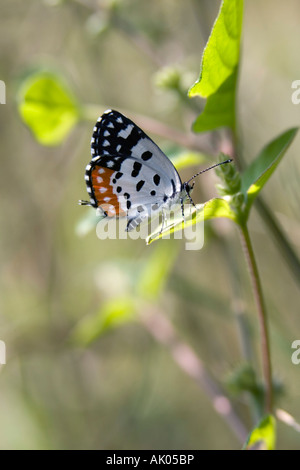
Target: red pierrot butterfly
{"points": [[129, 176]]}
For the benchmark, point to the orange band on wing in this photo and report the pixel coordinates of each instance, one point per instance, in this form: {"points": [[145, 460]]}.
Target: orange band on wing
{"points": [[103, 191]]}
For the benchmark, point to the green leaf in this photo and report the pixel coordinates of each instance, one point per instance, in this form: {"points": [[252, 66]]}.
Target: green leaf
{"points": [[219, 110], [221, 54], [112, 314], [214, 208], [219, 69], [259, 171], [263, 437], [47, 107]]}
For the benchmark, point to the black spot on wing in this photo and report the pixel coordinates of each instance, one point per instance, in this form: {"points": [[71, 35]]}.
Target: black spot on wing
{"points": [[136, 169], [146, 155], [139, 185], [156, 179]]}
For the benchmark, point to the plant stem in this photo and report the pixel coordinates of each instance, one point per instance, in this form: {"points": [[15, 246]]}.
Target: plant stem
{"points": [[262, 314]]}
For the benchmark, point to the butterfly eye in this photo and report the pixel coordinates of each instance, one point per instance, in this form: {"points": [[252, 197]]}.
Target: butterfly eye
{"points": [[189, 187]]}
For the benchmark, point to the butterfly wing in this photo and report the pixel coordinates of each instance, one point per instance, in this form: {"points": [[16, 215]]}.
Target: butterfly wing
{"points": [[115, 134], [129, 175], [123, 187]]}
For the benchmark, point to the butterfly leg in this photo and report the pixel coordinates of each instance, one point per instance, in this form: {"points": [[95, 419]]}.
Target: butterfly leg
{"points": [[135, 218], [182, 209], [164, 220], [191, 200]]}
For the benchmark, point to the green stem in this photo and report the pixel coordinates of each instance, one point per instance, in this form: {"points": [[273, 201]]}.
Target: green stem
{"points": [[262, 314]]}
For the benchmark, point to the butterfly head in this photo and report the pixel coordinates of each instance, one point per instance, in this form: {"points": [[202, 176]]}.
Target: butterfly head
{"points": [[188, 188]]}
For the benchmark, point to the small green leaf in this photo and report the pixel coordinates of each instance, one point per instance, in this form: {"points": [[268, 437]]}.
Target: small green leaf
{"points": [[259, 171], [219, 69], [112, 314], [47, 107], [214, 208], [263, 437]]}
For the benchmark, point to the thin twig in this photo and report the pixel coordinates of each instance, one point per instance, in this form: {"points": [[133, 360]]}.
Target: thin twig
{"points": [[185, 357], [262, 314], [288, 419]]}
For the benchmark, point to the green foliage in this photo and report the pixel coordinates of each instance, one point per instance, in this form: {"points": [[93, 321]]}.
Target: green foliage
{"points": [[231, 179], [257, 174], [47, 107], [238, 190], [263, 437], [219, 110], [219, 69], [216, 207]]}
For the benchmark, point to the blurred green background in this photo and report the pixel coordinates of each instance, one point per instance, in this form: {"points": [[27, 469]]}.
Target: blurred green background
{"points": [[124, 390]]}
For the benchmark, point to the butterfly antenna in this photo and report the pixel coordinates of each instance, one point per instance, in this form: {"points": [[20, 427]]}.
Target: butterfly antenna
{"points": [[210, 168]]}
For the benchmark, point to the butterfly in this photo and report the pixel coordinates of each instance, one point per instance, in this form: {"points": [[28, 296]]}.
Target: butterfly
{"points": [[129, 175]]}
